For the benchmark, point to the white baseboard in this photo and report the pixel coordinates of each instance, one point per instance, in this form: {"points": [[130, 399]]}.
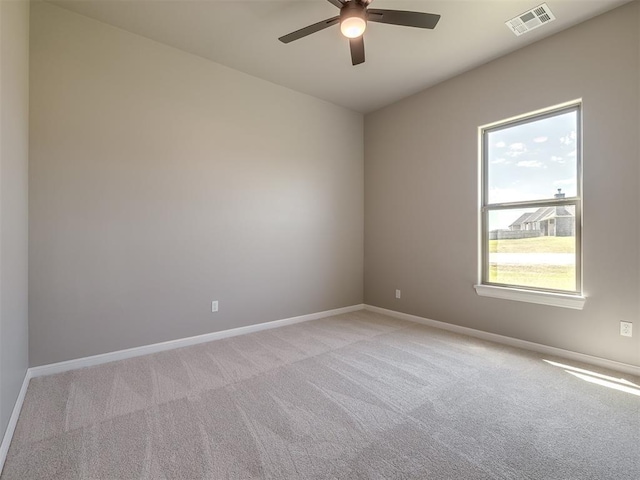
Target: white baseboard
{"points": [[13, 420], [512, 342], [181, 342], [208, 337]]}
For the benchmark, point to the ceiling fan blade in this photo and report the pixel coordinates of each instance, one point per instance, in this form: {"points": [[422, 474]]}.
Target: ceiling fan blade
{"points": [[337, 3], [401, 17], [303, 32], [357, 50]]}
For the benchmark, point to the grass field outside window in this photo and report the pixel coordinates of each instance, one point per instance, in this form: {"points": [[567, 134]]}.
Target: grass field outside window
{"points": [[544, 275]]}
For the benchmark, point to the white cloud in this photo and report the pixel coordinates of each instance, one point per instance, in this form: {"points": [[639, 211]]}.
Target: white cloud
{"points": [[530, 163], [501, 160], [500, 195], [501, 144], [540, 139], [566, 181], [571, 154], [569, 138], [557, 159], [516, 149], [511, 194]]}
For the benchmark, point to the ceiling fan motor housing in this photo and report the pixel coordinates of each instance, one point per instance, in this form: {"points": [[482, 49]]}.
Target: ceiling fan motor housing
{"points": [[353, 9]]}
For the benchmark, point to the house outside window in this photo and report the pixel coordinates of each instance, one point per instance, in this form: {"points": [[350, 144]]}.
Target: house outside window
{"points": [[531, 204]]}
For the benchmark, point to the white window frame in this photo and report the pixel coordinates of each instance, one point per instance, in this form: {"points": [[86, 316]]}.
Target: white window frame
{"points": [[559, 298]]}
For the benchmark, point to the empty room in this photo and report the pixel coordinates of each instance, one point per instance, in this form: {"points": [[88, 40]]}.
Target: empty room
{"points": [[319, 239]]}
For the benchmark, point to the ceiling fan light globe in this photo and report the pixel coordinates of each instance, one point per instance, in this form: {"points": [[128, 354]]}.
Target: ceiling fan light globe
{"points": [[353, 27]]}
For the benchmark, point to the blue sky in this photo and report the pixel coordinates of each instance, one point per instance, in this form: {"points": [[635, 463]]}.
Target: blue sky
{"points": [[531, 161]]}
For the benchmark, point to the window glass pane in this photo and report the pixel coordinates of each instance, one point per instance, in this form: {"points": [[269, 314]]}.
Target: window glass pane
{"points": [[533, 247], [531, 161]]}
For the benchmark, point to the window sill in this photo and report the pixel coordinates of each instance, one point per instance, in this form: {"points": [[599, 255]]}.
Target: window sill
{"points": [[545, 298]]}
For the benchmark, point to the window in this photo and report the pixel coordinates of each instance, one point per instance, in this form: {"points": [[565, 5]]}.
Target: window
{"points": [[531, 206]]}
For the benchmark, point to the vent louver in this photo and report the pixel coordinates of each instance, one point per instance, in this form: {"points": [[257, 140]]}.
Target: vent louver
{"points": [[530, 20]]}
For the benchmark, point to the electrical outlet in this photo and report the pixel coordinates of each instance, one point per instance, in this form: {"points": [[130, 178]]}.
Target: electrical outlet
{"points": [[398, 293], [626, 329], [214, 306]]}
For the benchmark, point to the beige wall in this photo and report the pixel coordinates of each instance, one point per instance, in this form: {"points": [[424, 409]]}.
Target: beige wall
{"points": [[421, 177], [14, 144], [160, 181]]}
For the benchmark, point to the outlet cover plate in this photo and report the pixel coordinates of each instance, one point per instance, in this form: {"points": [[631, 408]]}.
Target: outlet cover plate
{"points": [[626, 329]]}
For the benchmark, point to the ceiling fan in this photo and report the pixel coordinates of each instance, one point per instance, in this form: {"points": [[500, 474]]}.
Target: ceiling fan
{"points": [[353, 18]]}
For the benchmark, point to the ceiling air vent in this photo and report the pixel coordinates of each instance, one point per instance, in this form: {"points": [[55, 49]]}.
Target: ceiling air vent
{"points": [[534, 18]]}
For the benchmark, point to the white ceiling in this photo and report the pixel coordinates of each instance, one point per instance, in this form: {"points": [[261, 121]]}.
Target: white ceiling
{"points": [[400, 61]]}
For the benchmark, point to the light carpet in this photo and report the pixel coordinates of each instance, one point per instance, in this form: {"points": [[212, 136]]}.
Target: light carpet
{"points": [[355, 396]]}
